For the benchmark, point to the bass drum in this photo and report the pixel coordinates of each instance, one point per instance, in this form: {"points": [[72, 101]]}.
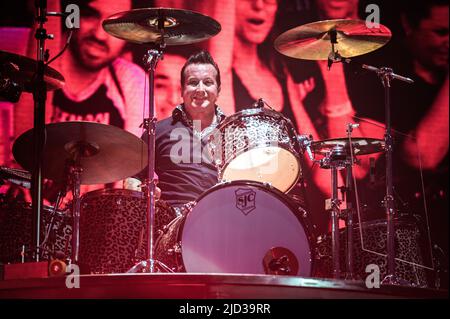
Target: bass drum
{"points": [[239, 227]]}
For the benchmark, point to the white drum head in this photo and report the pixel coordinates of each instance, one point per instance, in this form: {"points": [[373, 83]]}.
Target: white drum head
{"points": [[234, 227], [269, 164]]}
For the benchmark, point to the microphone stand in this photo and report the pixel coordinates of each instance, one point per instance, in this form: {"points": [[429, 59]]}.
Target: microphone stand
{"points": [[386, 75]]}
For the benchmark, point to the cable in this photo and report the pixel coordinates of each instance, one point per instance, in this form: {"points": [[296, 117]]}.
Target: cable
{"points": [[63, 49]]}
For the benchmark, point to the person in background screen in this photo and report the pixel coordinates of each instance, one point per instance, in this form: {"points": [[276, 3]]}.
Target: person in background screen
{"points": [[101, 86], [427, 40], [167, 84], [422, 113]]}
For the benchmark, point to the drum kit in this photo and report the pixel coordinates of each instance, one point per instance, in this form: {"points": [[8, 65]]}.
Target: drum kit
{"points": [[244, 224]]}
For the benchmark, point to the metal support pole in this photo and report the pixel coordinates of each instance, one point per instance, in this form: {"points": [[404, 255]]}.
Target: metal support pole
{"points": [[76, 172], [387, 75], [335, 212], [40, 97]]}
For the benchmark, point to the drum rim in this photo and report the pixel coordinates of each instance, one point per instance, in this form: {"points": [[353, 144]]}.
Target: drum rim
{"points": [[113, 191], [304, 222], [22, 204], [296, 155], [178, 255], [252, 111]]}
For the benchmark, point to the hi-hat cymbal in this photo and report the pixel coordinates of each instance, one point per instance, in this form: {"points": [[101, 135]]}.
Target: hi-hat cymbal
{"points": [[156, 25], [361, 145], [312, 41], [106, 153], [16, 176], [22, 70]]}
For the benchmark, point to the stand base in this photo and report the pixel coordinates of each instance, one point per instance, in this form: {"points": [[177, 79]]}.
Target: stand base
{"points": [[149, 266]]}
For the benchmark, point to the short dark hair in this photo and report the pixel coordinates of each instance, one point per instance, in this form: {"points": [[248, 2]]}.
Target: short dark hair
{"points": [[417, 10], [202, 57]]}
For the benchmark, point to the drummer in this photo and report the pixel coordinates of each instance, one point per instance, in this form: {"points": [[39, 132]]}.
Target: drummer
{"points": [[182, 163]]}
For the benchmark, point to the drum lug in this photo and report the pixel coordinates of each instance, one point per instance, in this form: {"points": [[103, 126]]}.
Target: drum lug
{"points": [[163, 230], [176, 249], [268, 185], [304, 214]]}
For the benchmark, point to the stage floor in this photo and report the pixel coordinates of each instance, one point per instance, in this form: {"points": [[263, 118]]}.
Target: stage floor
{"points": [[204, 286]]}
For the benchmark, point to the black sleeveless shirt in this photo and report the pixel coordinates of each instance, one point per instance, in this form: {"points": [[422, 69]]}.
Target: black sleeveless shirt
{"points": [[243, 99]]}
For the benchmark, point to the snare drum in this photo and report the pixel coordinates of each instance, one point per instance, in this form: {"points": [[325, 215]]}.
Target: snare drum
{"points": [[258, 145], [238, 227], [113, 234]]}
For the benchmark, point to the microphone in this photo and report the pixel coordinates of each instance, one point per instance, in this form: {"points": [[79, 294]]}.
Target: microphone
{"points": [[305, 144], [384, 70], [351, 127], [259, 104]]}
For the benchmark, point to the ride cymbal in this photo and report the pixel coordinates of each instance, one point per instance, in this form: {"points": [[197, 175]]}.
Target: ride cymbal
{"points": [[104, 152]]}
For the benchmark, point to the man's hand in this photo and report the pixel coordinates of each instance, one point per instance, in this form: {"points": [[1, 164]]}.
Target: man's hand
{"points": [[136, 185]]}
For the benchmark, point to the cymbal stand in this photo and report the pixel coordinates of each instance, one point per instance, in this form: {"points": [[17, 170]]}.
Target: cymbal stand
{"points": [[334, 56], [76, 172], [151, 60], [386, 75], [350, 204], [39, 97], [61, 194], [335, 160]]}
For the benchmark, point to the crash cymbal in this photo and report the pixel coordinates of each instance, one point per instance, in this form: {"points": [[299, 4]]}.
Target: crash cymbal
{"points": [[21, 70], [361, 145], [106, 153], [312, 41], [178, 26]]}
